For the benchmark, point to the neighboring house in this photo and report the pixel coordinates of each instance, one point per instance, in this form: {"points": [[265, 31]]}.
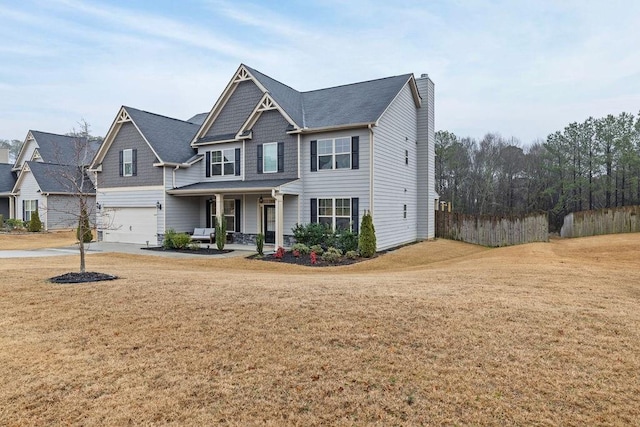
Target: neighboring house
{"points": [[267, 157], [7, 181], [51, 175]]}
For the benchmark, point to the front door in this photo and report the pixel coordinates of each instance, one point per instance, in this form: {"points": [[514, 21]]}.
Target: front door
{"points": [[269, 224]]}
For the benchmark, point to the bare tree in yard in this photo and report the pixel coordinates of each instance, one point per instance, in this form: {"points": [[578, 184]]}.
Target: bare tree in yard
{"points": [[76, 190]]}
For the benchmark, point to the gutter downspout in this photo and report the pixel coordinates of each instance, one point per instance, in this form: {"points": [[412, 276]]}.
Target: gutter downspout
{"points": [[173, 180]]}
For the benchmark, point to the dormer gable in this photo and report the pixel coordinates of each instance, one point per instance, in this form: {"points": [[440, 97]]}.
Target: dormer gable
{"points": [[267, 103]]}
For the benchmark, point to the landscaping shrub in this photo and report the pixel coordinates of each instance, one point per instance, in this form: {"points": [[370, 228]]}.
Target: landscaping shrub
{"points": [[279, 253], [15, 223], [83, 232], [181, 241], [347, 240], [1, 221], [169, 236], [312, 234], [221, 233], [317, 249], [260, 244], [351, 255], [332, 255], [35, 224], [302, 248], [367, 240]]}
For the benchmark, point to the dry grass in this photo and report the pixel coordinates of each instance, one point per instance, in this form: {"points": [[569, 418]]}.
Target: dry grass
{"points": [[435, 333], [27, 241]]}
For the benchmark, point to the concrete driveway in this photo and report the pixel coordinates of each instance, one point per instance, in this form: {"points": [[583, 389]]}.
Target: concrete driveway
{"points": [[128, 248]]}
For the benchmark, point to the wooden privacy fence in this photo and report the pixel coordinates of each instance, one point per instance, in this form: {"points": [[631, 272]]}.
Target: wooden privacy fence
{"points": [[492, 231], [602, 221]]}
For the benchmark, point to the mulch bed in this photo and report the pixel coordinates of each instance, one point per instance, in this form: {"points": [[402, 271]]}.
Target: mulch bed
{"points": [[201, 251], [305, 260], [88, 276]]}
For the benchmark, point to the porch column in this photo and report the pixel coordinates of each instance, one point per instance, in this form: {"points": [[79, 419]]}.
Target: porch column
{"points": [[279, 220], [12, 207], [219, 208]]}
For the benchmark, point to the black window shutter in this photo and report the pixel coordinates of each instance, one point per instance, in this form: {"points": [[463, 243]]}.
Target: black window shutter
{"points": [[207, 165], [207, 207], [314, 156], [134, 162], [121, 163], [280, 156], [259, 158], [24, 210], [237, 162], [355, 152], [314, 210], [238, 203], [355, 219]]}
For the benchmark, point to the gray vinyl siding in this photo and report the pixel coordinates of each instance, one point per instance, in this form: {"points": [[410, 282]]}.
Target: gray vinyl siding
{"points": [[290, 203], [29, 191], [271, 127], [395, 182], [335, 183], [128, 137], [182, 213], [426, 156], [237, 109], [195, 173], [63, 212]]}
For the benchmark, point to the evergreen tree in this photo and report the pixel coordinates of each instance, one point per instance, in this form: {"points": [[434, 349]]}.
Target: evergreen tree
{"points": [[367, 239], [35, 224]]}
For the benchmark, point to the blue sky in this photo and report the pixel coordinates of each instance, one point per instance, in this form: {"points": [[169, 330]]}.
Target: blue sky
{"points": [[521, 68]]}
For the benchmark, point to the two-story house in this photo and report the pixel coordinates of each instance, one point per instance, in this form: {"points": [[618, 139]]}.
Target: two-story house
{"points": [[268, 156], [52, 178]]}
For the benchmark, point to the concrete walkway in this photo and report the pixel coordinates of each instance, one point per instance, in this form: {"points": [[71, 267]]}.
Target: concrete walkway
{"points": [[127, 248]]}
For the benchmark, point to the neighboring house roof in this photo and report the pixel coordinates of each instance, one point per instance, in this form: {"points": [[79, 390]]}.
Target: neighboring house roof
{"points": [[7, 178], [53, 178], [59, 149], [198, 118]]}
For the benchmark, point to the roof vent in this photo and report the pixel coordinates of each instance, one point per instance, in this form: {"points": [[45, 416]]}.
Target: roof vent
{"points": [[424, 76]]}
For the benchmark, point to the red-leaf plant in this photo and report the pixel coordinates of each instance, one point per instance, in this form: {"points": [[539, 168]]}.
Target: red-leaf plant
{"points": [[279, 253]]}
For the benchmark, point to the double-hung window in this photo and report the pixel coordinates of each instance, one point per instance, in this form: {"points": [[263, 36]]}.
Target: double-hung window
{"points": [[223, 162], [30, 206], [127, 162], [334, 153], [229, 214], [336, 213], [270, 157]]}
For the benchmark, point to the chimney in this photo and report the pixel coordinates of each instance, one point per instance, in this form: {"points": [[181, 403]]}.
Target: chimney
{"points": [[4, 155]]}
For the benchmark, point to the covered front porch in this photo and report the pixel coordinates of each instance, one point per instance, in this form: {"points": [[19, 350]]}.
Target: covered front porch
{"points": [[249, 208]]}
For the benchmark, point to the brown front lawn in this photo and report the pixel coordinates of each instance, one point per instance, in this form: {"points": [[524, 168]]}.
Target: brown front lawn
{"points": [[438, 333]]}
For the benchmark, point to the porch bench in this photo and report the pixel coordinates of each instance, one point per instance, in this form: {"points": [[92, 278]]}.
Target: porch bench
{"points": [[204, 234]]}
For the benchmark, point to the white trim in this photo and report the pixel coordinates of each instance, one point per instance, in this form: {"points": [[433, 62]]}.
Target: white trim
{"points": [[264, 157], [125, 162], [334, 153], [222, 162], [139, 188], [266, 103], [334, 216]]}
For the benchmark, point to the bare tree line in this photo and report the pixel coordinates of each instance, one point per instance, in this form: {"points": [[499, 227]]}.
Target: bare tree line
{"points": [[589, 165]]}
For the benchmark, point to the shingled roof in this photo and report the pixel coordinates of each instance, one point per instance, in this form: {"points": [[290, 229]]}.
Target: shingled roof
{"points": [[168, 137], [355, 103], [54, 148], [7, 178], [63, 179]]}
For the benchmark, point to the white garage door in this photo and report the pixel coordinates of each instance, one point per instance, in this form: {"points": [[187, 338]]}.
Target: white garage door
{"points": [[132, 225]]}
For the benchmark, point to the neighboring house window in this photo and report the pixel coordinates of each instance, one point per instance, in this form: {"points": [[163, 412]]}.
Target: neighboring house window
{"points": [[129, 162], [336, 213], [230, 214], [30, 206], [223, 162], [406, 157], [337, 153], [270, 157], [404, 211]]}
